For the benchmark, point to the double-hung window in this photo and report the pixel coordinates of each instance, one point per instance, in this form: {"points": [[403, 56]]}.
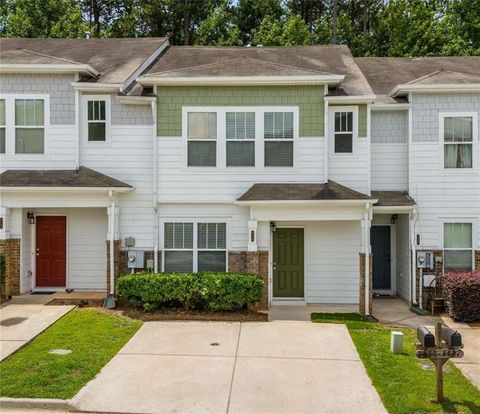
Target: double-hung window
{"points": [[457, 246], [278, 135], [240, 137], [212, 245], [97, 120], [343, 132], [178, 241], [3, 125], [458, 141], [29, 126], [184, 253], [202, 139]]}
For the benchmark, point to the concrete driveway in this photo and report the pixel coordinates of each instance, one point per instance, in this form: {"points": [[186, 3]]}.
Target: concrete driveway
{"points": [[215, 367], [21, 323]]}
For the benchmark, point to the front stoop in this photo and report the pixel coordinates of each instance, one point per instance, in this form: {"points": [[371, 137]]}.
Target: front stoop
{"points": [[36, 403]]}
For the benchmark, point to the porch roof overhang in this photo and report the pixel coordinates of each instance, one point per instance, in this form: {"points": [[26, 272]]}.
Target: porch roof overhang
{"points": [[305, 201], [393, 202], [82, 179]]}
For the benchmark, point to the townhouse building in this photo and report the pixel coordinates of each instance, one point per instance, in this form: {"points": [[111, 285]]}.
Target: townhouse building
{"points": [[321, 172]]}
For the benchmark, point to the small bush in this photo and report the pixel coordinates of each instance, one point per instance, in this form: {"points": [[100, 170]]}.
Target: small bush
{"points": [[211, 291], [462, 293]]}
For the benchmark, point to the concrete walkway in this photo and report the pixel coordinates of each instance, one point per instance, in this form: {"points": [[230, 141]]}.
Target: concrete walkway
{"points": [[220, 367], [21, 323]]}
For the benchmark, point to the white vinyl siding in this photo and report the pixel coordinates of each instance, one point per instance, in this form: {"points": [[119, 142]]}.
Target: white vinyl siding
{"points": [[202, 137], [2, 126], [29, 126], [457, 246], [278, 134]]}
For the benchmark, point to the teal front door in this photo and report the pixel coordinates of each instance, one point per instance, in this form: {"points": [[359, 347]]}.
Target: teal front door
{"points": [[288, 263]]}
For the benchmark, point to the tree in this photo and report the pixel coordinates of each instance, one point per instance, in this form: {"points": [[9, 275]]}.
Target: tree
{"points": [[43, 18], [250, 13], [291, 31], [218, 29]]}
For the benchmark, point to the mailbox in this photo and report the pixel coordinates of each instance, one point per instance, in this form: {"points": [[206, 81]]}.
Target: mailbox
{"points": [[425, 337], [452, 338]]}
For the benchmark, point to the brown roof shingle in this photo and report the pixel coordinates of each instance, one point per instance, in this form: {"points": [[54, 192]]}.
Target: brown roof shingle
{"points": [[301, 192], [83, 177], [392, 198]]}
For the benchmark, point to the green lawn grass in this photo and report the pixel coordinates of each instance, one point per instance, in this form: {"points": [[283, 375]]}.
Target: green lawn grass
{"points": [[92, 336], [404, 386]]}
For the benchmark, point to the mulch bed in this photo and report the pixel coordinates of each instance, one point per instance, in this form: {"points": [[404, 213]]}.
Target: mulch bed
{"points": [[168, 314]]}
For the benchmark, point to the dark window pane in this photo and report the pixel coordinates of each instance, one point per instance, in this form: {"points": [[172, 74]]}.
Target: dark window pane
{"points": [[279, 154], [168, 235], [202, 154], [278, 125], [221, 235], [230, 125], [241, 154], [268, 125], [2, 140], [349, 121], [343, 143], [288, 125], [457, 260], [178, 262], [96, 131], [202, 235], [212, 261], [29, 141], [101, 104], [458, 156]]}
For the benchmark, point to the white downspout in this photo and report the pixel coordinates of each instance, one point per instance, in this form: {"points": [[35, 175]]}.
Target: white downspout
{"points": [[155, 182], [413, 267], [77, 125], [112, 239], [366, 219], [325, 137]]}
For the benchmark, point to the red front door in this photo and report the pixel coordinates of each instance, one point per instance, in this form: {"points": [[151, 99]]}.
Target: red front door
{"points": [[51, 251]]}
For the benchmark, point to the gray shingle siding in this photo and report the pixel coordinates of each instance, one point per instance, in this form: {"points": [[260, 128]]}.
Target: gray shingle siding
{"points": [[426, 109], [123, 114], [58, 86], [389, 127]]}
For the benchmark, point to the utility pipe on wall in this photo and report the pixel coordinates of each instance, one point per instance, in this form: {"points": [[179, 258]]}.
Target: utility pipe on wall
{"points": [[155, 183], [111, 239], [367, 257]]}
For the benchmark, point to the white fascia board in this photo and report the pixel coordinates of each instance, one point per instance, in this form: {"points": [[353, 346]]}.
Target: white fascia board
{"points": [[145, 65], [306, 202], [96, 86], [135, 100], [391, 107], [241, 80], [67, 189], [46, 68], [392, 209], [433, 88], [353, 99]]}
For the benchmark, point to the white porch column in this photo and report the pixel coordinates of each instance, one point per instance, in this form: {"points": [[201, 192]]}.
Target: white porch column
{"points": [[412, 216], [252, 235], [4, 223], [366, 224]]}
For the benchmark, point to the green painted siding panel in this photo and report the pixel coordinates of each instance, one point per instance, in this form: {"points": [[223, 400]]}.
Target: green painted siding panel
{"points": [[362, 120], [309, 99]]}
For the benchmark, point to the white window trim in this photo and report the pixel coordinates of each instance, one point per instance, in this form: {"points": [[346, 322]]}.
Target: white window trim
{"points": [[195, 249], [259, 137], [331, 122], [441, 124], [10, 127], [108, 118], [460, 220]]}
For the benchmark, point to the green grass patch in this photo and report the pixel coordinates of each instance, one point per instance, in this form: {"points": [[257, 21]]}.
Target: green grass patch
{"points": [[404, 386], [92, 336]]}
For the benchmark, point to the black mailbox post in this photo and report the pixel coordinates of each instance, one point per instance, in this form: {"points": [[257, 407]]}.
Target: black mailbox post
{"points": [[446, 344]]}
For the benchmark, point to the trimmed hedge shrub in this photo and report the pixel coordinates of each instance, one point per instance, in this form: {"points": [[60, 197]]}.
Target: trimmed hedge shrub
{"points": [[462, 293], [211, 291]]}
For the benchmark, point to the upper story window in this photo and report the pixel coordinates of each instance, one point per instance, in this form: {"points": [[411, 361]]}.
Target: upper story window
{"points": [[29, 126], [202, 139], [458, 141], [97, 120], [3, 125], [458, 246], [278, 134], [192, 247], [240, 136], [343, 132]]}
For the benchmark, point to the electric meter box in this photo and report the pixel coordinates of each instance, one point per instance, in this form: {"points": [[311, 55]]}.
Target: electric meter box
{"points": [[135, 259], [424, 260]]}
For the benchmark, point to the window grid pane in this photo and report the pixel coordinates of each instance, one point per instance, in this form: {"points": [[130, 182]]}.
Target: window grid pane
{"points": [[458, 155], [29, 141], [2, 112], [278, 125], [202, 125], [279, 154], [211, 236], [29, 112], [458, 129], [457, 235], [2, 140], [178, 236]]}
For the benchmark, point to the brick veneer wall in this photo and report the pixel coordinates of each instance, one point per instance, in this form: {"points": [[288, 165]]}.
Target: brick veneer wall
{"points": [[11, 249], [116, 260], [477, 260], [361, 302], [252, 262]]}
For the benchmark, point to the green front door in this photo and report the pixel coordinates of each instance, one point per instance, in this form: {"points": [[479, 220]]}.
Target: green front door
{"points": [[288, 258]]}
